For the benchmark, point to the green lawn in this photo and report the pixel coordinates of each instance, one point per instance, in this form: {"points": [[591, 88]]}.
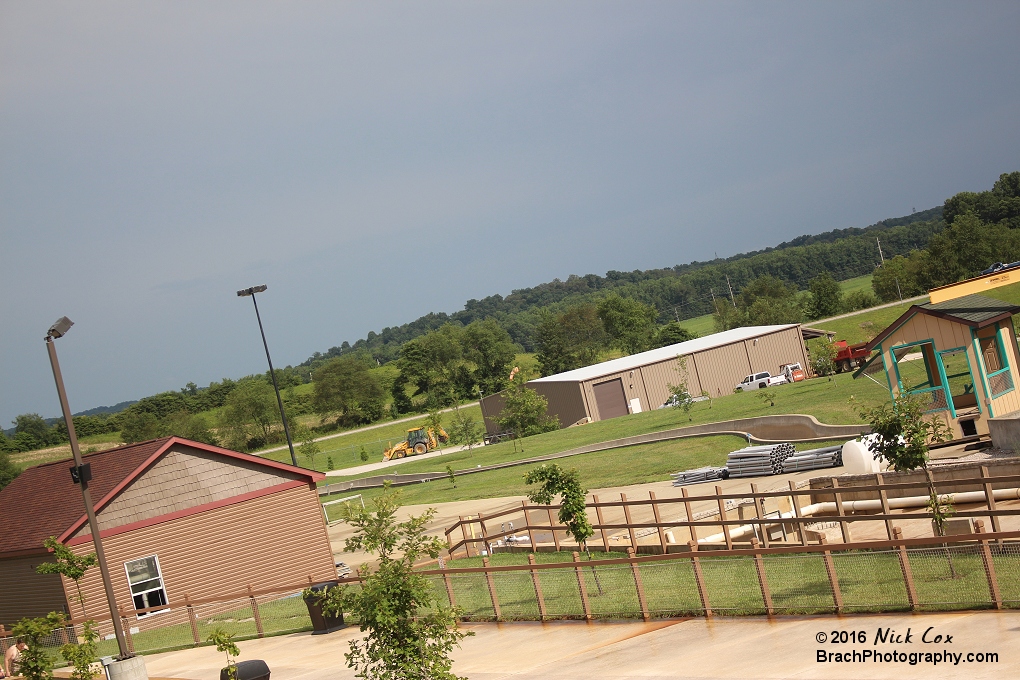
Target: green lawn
{"points": [[345, 450], [856, 284], [827, 399], [798, 583]]}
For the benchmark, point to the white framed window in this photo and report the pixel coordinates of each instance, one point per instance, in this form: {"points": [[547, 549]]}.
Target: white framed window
{"points": [[146, 582]]}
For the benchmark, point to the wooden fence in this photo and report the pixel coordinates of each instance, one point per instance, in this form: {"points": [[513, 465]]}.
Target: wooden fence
{"points": [[979, 571], [535, 522]]}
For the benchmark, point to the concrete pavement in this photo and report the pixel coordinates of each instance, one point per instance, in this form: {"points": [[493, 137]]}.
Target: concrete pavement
{"points": [[682, 648]]}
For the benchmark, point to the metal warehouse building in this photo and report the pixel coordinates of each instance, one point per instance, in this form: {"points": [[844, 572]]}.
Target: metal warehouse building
{"points": [[639, 382]]}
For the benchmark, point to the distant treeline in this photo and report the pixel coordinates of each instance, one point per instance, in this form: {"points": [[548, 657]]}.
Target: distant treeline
{"points": [[683, 291]]}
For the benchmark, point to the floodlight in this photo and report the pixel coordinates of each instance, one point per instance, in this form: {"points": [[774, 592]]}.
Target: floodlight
{"points": [[59, 327], [251, 291]]}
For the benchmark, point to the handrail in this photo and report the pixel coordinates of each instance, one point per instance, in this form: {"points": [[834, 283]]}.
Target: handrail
{"points": [[785, 493]]}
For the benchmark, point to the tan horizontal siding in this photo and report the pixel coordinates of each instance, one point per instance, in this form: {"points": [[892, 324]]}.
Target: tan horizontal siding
{"points": [[269, 541], [185, 478], [23, 592], [565, 401]]}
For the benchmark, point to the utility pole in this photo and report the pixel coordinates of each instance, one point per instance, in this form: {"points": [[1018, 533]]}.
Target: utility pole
{"points": [[676, 313], [713, 296], [898, 291], [734, 302], [880, 256]]}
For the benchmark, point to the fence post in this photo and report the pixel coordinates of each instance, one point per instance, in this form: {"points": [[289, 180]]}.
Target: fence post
{"points": [[986, 557], [889, 529], [538, 588], [795, 502], [760, 514], [908, 575], [830, 570], [763, 581], [255, 612], [626, 517], [527, 524], [581, 587], [723, 517], [552, 528], [990, 500], [492, 589], [464, 533], [699, 578], [598, 515], [645, 614], [844, 526], [449, 585], [487, 549], [192, 620], [127, 632], [690, 515], [658, 523]]}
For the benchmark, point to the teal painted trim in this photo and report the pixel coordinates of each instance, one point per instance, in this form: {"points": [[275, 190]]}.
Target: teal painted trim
{"points": [[945, 381], [885, 366], [970, 369], [896, 365], [981, 373]]}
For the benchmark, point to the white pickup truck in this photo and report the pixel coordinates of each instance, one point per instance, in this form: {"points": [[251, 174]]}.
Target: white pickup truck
{"points": [[759, 380]]}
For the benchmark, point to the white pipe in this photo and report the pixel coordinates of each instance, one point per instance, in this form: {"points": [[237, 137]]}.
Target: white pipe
{"points": [[960, 498]]}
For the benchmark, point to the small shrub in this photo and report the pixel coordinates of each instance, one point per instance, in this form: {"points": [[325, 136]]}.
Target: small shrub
{"points": [[224, 642], [329, 463], [767, 395], [363, 454]]}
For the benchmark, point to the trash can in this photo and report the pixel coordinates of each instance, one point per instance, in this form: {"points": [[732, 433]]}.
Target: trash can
{"points": [[255, 669], [321, 623]]}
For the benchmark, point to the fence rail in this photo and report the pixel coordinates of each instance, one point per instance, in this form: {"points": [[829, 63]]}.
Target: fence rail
{"points": [[759, 514]]}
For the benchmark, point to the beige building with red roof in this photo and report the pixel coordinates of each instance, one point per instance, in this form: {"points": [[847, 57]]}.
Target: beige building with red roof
{"points": [[177, 518]]}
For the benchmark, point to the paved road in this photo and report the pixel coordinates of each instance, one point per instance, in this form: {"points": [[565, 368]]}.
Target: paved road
{"points": [[386, 464], [817, 324], [681, 648]]}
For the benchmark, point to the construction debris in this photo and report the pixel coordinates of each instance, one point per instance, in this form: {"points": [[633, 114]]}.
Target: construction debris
{"points": [[761, 461]]}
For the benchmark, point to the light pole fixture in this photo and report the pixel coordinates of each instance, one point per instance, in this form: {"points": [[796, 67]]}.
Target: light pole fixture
{"points": [[250, 292], [81, 474]]}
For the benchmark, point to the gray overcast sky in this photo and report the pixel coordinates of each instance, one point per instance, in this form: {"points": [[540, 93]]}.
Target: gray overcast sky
{"points": [[372, 162]]}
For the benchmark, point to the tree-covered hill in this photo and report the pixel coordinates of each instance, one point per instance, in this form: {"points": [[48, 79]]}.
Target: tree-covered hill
{"points": [[683, 291]]}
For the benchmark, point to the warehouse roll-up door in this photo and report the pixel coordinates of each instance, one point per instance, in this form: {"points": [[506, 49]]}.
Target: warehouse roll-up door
{"points": [[610, 399]]}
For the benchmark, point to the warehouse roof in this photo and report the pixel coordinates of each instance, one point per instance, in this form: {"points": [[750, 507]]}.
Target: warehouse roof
{"points": [[43, 501], [654, 356]]}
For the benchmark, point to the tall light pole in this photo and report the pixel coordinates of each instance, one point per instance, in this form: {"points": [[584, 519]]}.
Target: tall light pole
{"points": [[250, 292], [81, 473]]}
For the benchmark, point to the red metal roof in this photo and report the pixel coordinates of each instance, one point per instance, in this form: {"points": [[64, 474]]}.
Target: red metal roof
{"points": [[43, 501]]}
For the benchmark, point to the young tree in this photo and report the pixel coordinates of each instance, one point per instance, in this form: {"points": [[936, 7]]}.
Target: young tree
{"points": [[68, 564], [34, 662], [680, 395], [224, 642], [902, 433], [555, 481], [464, 429], [410, 634], [823, 357], [81, 656], [525, 411]]}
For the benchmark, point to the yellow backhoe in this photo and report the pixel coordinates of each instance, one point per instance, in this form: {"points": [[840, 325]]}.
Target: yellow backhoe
{"points": [[419, 440]]}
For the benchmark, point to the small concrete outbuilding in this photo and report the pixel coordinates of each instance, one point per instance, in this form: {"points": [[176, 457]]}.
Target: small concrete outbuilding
{"points": [[640, 382], [960, 355], [177, 518]]}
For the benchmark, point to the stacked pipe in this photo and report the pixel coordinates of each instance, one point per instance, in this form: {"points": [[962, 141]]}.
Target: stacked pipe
{"points": [[705, 474], [815, 459], [756, 461]]}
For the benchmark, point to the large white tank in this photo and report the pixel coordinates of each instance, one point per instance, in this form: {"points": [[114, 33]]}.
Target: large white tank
{"points": [[858, 459]]}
